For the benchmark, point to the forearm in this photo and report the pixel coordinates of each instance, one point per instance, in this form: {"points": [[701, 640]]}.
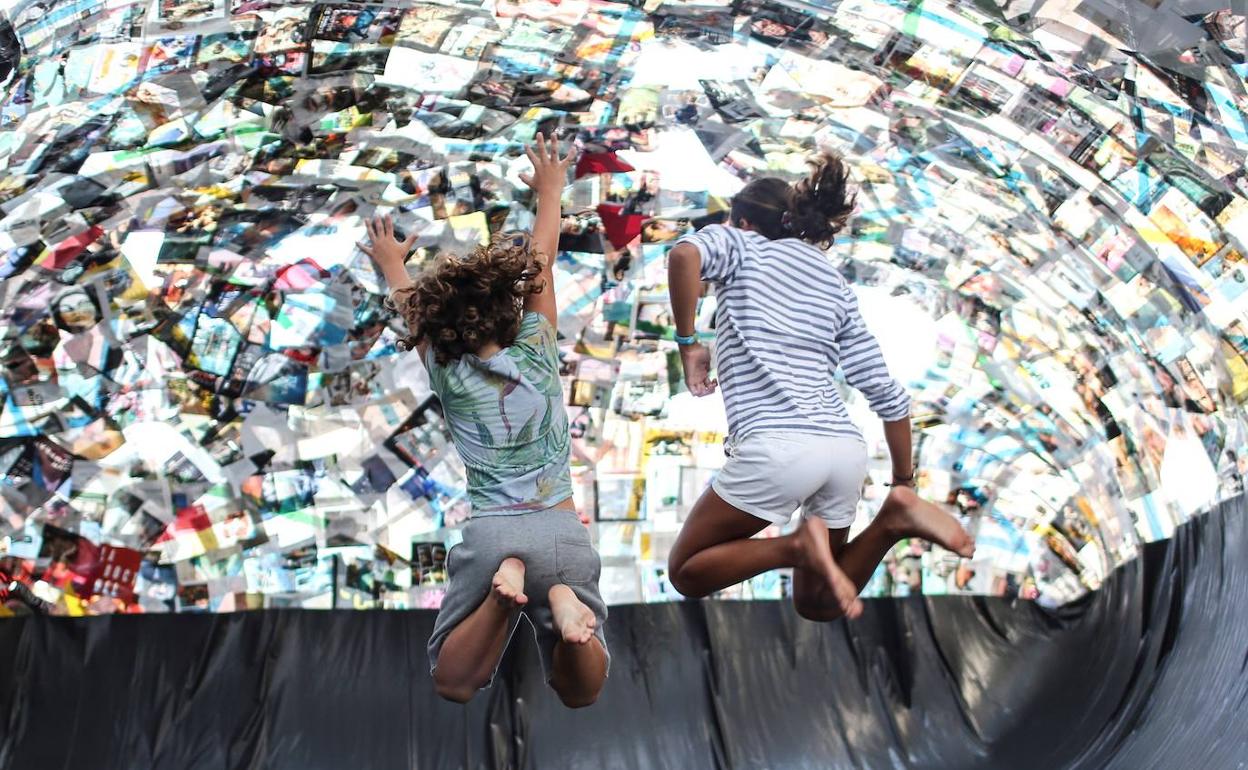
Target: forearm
{"points": [[684, 284], [546, 226], [395, 274], [900, 448]]}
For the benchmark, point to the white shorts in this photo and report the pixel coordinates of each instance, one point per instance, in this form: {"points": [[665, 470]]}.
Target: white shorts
{"points": [[771, 474]]}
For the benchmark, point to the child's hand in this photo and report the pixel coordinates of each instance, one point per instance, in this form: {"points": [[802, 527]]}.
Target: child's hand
{"points": [[383, 246], [550, 172]]}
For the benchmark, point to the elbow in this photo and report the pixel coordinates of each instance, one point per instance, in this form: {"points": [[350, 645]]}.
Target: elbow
{"points": [[891, 411], [891, 404]]}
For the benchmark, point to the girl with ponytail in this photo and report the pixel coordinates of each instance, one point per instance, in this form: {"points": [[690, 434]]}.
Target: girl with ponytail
{"points": [[785, 321], [813, 210]]}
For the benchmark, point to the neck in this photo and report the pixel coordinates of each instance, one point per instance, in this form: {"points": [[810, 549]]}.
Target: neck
{"points": [[487, 350]]}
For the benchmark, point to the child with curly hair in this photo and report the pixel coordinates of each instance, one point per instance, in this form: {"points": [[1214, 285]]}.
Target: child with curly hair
{"points": [[484, 325]]}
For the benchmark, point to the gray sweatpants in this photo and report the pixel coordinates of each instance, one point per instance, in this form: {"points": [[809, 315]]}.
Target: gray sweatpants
{"points": [[555, 548]]}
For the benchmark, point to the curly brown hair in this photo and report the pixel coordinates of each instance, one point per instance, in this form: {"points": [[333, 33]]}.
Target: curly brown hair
{"points": [[460, 303]]}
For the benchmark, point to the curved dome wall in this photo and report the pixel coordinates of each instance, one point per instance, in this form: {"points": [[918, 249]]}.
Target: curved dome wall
{"points": [[204, 405]]}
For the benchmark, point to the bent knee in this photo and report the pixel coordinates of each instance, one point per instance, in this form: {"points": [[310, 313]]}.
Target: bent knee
{"points": [[456, 694], [455, 691], [680, 580], [578, 700], [579, 693]]}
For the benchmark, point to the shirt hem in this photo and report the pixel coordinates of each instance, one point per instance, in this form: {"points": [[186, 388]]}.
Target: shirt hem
{"points": [[805, 430], [536, 507]]}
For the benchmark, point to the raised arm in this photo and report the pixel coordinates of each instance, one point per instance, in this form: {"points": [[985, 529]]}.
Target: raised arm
{"points": [[550, 175], [388, 252], [390, 256]]}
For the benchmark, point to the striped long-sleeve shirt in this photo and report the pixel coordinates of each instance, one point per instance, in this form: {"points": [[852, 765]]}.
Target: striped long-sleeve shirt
{"points": [[786, 319]]}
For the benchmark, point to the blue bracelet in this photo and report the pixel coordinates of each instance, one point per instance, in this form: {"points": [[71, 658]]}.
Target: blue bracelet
{"points": [[680, 340]]}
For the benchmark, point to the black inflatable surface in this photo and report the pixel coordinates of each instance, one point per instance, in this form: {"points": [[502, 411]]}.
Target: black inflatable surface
{"points": [[1148, 672]]}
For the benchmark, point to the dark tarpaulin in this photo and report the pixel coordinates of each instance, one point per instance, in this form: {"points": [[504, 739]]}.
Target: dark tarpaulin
{"points": [[1148, 672]]}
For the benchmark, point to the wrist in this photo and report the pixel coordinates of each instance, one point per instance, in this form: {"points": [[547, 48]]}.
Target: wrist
{"points": [[395, 273], [902, 480], [551, 192]]}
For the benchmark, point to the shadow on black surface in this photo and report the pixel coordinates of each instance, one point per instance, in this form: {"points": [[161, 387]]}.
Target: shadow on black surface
{"points": [[1147, 672]]}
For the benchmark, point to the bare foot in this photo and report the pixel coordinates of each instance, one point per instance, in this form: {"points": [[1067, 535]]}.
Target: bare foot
{"points": [[575, 621], [509, 583], [813, 553], [909, 515]]}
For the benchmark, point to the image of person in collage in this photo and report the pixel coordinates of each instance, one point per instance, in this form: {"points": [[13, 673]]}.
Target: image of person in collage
{"points": [[484, 325]]}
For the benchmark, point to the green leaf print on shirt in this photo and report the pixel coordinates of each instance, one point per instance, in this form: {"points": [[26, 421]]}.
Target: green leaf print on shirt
{"points": [[509, 470]]}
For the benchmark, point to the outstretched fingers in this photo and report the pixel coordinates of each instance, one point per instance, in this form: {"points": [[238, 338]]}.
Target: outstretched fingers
{"points": [[546, 152]]}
